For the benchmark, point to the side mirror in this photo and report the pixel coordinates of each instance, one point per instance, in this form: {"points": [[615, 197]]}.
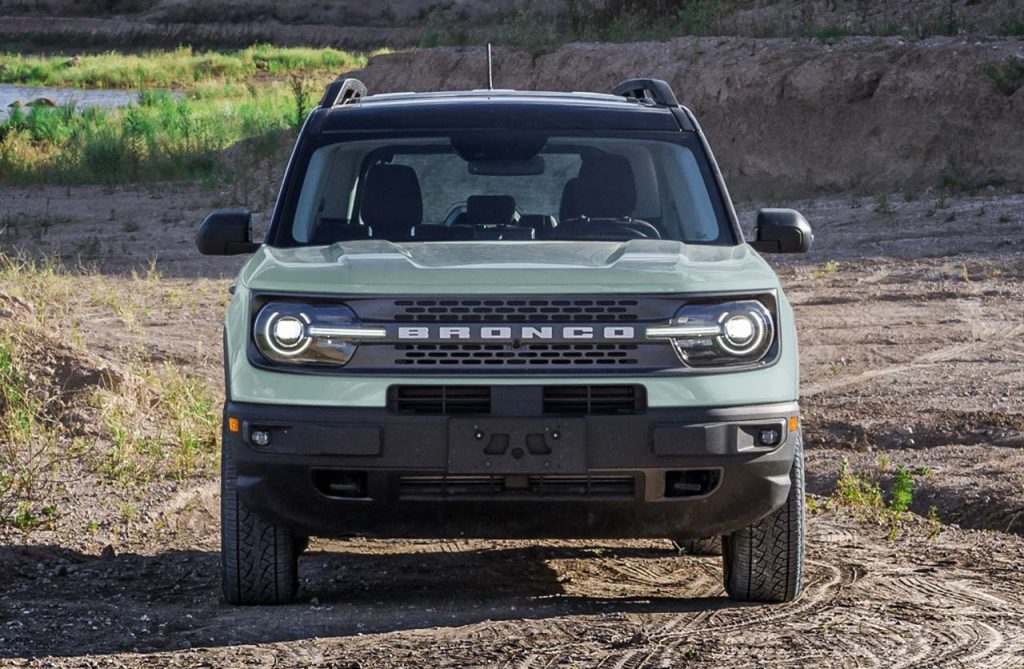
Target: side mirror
{"points": [[226, 232], [782, 231]]}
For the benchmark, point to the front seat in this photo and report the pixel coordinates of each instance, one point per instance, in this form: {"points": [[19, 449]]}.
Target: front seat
{"points": [[392, 203], [493, 217], [604, 198], [605, 188], [491, 210], [569, 207]]}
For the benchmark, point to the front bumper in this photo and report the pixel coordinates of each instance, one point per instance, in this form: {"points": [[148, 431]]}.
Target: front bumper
{"points": [[677, 473]]}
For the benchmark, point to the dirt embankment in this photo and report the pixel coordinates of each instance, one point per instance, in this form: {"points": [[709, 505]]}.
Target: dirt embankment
{"points": [[760, 18], [119, 24], [790, 116]]}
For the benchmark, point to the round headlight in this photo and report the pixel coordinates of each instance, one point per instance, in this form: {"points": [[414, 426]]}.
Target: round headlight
{"points": [[288, 331], [739, 329], [285, 334], [300, 333], [720, 334], [742, 333]]}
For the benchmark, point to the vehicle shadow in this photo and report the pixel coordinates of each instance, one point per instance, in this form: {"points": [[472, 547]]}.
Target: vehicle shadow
{"points": [[60, 602]]}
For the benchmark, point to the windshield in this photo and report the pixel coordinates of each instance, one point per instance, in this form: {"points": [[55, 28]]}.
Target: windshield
{"points": [[517, 186]]}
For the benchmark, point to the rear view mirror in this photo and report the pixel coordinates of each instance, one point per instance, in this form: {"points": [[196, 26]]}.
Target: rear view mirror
{"points": [[782, 231], [226, 232], [508, 168]]}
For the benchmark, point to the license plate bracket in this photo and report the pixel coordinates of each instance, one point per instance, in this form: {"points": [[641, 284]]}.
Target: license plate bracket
{"points": [[502, 446]]}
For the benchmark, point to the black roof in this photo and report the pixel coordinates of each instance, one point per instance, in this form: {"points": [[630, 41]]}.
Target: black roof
{"points": [[501, 109]]}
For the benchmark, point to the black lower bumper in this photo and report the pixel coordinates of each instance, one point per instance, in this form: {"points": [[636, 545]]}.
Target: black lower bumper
{"points": [[678, 473]]}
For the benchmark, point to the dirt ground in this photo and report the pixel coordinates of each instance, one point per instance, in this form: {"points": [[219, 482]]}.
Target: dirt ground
{"points": [[911, 331]]}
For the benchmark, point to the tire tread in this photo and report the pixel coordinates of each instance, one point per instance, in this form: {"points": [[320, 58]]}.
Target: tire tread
{"points": [[764, 561], [258, 559]]}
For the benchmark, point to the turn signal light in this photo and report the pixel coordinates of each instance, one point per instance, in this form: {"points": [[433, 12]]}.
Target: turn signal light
{"points": [[234, 425], [794, 423]]}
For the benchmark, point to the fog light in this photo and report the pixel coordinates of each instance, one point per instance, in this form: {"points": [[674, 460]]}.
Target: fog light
{"points": [[769, 437], [260, 437]]}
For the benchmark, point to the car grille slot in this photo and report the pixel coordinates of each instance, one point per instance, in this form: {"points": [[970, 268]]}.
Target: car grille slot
{"points": [[443, 400], [524, 355], [421, 487], [594, 400], [515, 310]]}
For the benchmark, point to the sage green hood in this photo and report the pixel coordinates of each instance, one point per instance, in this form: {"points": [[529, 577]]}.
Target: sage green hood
{"points": [[505, 267]]}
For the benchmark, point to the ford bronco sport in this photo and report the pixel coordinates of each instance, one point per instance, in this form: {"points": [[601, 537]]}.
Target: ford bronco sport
{"points": [[508, 314]]}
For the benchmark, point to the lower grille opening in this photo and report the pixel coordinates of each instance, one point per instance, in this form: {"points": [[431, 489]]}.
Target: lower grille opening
{"points": [[692, 483], [444, 400], [594, 400], [516, 486], [340, 484]]}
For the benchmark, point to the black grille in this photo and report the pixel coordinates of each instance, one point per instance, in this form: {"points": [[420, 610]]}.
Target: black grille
{"points": [[512, 486], [604, 400], [447, 400], [539, 355], [515, 310]]}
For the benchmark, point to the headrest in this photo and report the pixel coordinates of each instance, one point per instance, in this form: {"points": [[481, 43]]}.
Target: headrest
{"points": [[490, 210], [570, 206], [392, 201], [606, 187]]}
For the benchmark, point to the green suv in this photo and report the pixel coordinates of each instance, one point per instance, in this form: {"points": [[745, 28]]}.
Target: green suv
{"points": [[509, 314]]}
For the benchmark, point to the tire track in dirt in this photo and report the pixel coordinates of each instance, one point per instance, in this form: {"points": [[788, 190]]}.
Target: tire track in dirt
{"points": [[944, 354], [905, 619]]}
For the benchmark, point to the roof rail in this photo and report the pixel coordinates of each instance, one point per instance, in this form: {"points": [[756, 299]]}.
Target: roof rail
{"points": [[652, 90], [343, 92]]}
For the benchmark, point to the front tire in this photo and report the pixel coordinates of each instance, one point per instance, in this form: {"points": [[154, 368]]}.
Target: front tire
{"points": [[706, 546], [764, 562], [259, 563]]}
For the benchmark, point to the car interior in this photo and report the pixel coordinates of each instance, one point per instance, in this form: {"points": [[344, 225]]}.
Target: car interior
{"points": [[590, 194]]}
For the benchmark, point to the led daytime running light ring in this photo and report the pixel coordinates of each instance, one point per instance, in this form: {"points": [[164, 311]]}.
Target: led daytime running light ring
{"points": [[271, 340], [760, 328]]}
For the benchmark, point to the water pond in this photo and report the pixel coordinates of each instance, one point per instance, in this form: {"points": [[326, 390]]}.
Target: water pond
{"points": [[79, 97]]}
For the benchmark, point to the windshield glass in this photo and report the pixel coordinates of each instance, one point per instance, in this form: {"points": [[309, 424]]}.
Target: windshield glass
{"points": [[519, 186]]}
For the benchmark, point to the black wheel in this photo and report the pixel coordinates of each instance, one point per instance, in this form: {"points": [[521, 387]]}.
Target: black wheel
{"points": [[764, 562], [258, 559], [706, 546]]}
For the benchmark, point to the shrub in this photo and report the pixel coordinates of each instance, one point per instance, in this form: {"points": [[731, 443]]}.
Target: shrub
{"points": [[1007, 77]]}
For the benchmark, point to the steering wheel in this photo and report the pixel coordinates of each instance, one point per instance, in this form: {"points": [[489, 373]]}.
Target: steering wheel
{"points": [[606, 229]]}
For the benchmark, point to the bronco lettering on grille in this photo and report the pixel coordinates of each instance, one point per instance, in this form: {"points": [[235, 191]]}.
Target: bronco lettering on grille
{"points": [[517, 333]]}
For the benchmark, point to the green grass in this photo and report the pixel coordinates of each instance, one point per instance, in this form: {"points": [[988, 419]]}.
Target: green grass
{"points": [[163, 137], [27, 444], [147, 421], [862, 493], [902, 490], [221, 99], [182, 68], [830, 267], [165, 428]]}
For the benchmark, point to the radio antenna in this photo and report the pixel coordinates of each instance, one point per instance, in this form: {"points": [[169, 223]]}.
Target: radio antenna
{"points": [[490, 69]]}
